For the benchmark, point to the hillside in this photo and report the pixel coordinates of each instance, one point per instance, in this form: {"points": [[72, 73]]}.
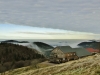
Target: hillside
{"points": [[15, 56], [85, 66]]}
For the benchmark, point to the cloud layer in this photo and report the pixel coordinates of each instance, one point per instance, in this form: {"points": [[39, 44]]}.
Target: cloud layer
{"points": [[76, 15]]}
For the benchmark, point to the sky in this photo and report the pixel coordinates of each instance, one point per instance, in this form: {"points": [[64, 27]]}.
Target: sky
{"points": [[12, 31], [49, 19]]}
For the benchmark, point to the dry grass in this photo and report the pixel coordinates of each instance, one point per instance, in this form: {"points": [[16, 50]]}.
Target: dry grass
{"points": [[86, 66]]}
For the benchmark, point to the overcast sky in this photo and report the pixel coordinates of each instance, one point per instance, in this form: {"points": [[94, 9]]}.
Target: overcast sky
{"points": [[71, 15]]}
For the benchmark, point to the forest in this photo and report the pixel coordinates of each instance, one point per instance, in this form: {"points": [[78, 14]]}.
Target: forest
{"points": [[15, 56]]}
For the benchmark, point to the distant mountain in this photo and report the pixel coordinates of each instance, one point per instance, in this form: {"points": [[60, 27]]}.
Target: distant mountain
{"points": [[23, 42], [8, 41], [43, 45], [45, 48], [14, 41], [90, 44]]}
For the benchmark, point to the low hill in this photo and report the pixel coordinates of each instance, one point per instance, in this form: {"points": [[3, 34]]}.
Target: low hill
{"points": [[44, 48], [41, 47], [85, 66]]}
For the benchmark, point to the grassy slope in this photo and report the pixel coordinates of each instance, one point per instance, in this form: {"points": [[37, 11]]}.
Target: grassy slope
{"points": [[85, 66]]}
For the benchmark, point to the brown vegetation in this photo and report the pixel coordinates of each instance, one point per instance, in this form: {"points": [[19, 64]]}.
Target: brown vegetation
{"points": [[85, 66]]}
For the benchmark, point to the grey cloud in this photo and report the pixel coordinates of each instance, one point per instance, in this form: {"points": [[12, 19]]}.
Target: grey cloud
{"points": [[55, 33], [76, 15]]}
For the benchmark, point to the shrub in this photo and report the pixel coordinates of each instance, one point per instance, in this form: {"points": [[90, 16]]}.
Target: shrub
{"points": [[19, 64]]}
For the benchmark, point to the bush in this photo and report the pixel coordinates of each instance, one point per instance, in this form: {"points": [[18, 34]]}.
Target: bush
{"points": [[2, 69]]}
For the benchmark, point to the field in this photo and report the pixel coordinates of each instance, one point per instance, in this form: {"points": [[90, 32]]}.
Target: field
{"points": [[85, 66]]}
